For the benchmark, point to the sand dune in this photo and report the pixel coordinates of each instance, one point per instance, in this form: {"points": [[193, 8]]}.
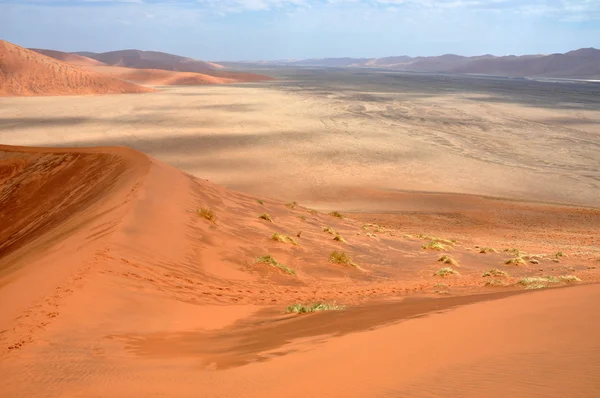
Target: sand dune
{"points": [[160, 77], [162, 61], [25, 72], [69, 58], [109, 275]]}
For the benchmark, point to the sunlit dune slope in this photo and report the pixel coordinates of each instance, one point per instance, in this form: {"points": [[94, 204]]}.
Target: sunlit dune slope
{"points": [[24, 72]]}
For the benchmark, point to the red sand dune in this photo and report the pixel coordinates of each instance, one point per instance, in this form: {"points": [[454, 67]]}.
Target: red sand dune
{"points": [[25, 72], [159, 77], [158, 60], [112, 284], [69, 58]]}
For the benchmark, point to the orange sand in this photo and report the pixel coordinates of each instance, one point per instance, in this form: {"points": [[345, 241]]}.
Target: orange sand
{"points": [[25, 72], [69, 58], [111, 284]]}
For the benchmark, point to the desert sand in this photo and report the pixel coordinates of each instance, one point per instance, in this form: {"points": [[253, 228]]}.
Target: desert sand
{"points": [[25, 72], [113, 284], [69, 58], [158, 77]]}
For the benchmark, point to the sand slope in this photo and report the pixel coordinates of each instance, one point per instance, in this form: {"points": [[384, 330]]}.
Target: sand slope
{"points": [[25, 72], [160, 77], [155, 60], [108, 274], [69, 58]]}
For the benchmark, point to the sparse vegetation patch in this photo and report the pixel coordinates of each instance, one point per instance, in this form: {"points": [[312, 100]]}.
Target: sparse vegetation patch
{"points": [[337, 257], [207, 213], [448, 260], [569, 278], [292, 205], [260, 202], [305, 309], [515, 261], [446, 271], [495, 283], [336, 214], [434, 245], [284, 238], [485, 250], [494, 272], [269, 260], [329, 230], [266, 217], [339, 238]]}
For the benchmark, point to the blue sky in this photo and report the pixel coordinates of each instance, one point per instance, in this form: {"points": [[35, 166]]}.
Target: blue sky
{"points": [[294, 29]]}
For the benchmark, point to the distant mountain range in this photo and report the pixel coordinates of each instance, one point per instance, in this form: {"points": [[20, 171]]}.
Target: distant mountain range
{"points": [[583, 64]]}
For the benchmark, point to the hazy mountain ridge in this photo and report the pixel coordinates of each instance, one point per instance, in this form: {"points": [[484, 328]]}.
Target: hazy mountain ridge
{"points": [[582, 63]]}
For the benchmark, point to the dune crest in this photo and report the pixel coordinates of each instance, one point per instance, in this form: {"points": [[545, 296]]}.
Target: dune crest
{"points": [[69, 58], [110, 260], [24, 72]]}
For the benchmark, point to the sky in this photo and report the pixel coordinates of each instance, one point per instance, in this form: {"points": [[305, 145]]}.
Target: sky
{"points": [[230, 30]]}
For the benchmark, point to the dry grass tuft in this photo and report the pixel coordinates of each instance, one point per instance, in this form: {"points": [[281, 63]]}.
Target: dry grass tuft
{"points": [[514, 251], [266, 217], [292, 205], [515, 261], [269, 260], [495, 283], [337, 257], [207, 214], [443, 272], [339, 238], [434, 245], [284, 238], [336, 214], [313, 212], [446, 259], [329, 230], [569, 278], [260, 202], [485, 250], [494, 272], [305, 309]]}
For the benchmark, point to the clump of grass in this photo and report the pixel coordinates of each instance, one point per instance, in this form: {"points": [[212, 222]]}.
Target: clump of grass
{"points": [[339, 238], [534, 261], [207, 213], [260, 202], [266, 217], [303, 218], [284, 238], [494, 272], [514, 251], [305, 309], [438, 285], [569, 278], [292, 205], [515, 261], [536, 286], [495, 282], [536, 280], [559, 254], [446, 271], [434, 245], [447, 260], [336, 214], [313, 212], [330, 230], [269, 260], [485, 250], [436, 239], [338, 257]]}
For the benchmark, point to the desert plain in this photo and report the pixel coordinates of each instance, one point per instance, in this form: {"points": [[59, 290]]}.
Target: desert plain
{"points": [[133, 228]]}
